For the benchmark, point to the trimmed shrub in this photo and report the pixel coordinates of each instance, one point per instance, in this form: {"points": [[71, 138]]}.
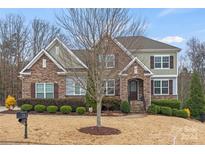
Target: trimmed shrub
{"points": [[40, 108], [125, 107], [81, 110], [111, 103], [182, 114], [153, 109], [174, 112], [187, 111], [26, 107], [52, 109], [166, 111], [74, 102], [65, 109], [172, 103]]}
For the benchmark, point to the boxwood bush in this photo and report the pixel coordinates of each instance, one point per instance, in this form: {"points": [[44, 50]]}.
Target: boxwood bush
{"points": [[52, 109], [125, 107], [26, 107], [40, 108], [65, 109], [166, 111], [111, 103], [81, 110], [182, 114], [173, 103], [174, 112], [154, 109], [74, 102]]}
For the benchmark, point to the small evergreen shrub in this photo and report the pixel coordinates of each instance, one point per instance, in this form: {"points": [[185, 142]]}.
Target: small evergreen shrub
{"points": [[182, 114], [81, 110], [52, 109], [166, 111], [174, 112], [125, 107], [172, 103], [26, 107], [65, 109], [40, 108], [154, 109]]}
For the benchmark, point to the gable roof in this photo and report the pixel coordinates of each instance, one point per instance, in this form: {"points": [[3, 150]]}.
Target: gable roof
{"points": [[134, 43], [140, 63], [36, 58], [59, 59]]}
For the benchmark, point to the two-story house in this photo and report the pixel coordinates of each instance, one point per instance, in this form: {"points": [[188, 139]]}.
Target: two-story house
{"points": [[146, 69]]}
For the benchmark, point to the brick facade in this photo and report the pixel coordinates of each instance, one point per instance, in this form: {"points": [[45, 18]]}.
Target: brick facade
{"points": [[40, 74]]}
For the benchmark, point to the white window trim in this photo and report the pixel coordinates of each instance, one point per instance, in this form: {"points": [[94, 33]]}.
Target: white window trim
{"points": [[162, 61], [44, 88], [106, 87], [73, 85], [44, 63], [160, 86], [111, 55]]}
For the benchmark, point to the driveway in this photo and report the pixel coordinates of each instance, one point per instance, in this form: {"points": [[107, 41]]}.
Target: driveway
{"points": [[3, 108]]}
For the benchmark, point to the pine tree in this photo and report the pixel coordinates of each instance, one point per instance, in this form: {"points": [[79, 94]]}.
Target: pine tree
{"points": [[196, 100]]}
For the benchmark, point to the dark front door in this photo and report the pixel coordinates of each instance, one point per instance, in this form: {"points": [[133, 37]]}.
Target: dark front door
{"points": [[132, 90]]}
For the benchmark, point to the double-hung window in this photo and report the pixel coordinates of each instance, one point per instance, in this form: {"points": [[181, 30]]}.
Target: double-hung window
{"points": [[108, 60], [161, 87], [44, 90], [161, 62], [75, 87], [109, 87]]}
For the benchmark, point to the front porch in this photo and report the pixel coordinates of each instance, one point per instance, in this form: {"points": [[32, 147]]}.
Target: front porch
{"points": [[135, 87]]}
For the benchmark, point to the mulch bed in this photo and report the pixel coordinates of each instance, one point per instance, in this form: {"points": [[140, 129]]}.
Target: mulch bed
{"points": [[104, 113], [94, 130]]}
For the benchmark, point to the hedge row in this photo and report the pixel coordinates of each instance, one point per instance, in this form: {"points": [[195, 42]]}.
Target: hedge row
{"points": [[65, 109], [108, 103], [172, 103], [156, 109]]}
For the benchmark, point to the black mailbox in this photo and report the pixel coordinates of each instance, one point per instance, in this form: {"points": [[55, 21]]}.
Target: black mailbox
{"points": [[22, 115], [22, 118]]}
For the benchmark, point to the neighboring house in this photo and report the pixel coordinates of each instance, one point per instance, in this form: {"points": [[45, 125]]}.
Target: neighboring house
{"points": [[145, 69]]}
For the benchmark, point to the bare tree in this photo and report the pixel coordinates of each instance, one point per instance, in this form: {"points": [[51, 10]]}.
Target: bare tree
{"points": [[13, 44], [92, 30], [42, 33]]}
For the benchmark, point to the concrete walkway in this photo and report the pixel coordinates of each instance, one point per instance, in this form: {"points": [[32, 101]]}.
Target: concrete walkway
{"points": [[3, 108]]}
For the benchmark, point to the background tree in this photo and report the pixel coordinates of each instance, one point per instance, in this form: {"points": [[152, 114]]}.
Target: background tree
{"points": [[196, 101], [92, 30]]}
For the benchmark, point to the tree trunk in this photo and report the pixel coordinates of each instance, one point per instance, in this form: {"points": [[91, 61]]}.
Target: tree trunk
{"points": [[99, 106]]}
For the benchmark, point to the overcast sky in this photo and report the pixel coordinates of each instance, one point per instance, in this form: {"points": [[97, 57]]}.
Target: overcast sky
{"points": [[173, 26]]}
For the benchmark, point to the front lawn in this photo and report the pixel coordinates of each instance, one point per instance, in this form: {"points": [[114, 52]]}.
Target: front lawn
{"points": [[55, 129]]}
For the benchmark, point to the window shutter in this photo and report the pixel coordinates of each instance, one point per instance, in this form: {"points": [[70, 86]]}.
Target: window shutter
{"points": [[152, 86], [55, 90], [117, 87], [32, 90], [170, 87], [152, 62], [116, 60], [171, 62]]}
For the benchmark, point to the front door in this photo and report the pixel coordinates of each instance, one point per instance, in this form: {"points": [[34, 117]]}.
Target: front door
{"points": [[132, 86]]}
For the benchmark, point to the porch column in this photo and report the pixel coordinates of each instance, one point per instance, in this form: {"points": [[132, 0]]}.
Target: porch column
{"points": [[123, 88], [147, 90]]}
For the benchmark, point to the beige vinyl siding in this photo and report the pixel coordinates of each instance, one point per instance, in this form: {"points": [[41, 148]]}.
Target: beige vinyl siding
{"points": [[145, 58]]}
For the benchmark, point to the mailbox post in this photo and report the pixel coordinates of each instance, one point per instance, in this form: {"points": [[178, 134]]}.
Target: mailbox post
{"points": [[22, 118]]}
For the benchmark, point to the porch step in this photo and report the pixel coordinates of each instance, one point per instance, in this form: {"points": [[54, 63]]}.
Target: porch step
{"points": [[137, 106]]}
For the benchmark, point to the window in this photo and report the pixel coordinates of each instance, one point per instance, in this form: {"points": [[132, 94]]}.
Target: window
{"points": [[109, 60], [44, 90], [109, 87], [161, 87], [44, 63], [161, 62], [74, 88]]}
